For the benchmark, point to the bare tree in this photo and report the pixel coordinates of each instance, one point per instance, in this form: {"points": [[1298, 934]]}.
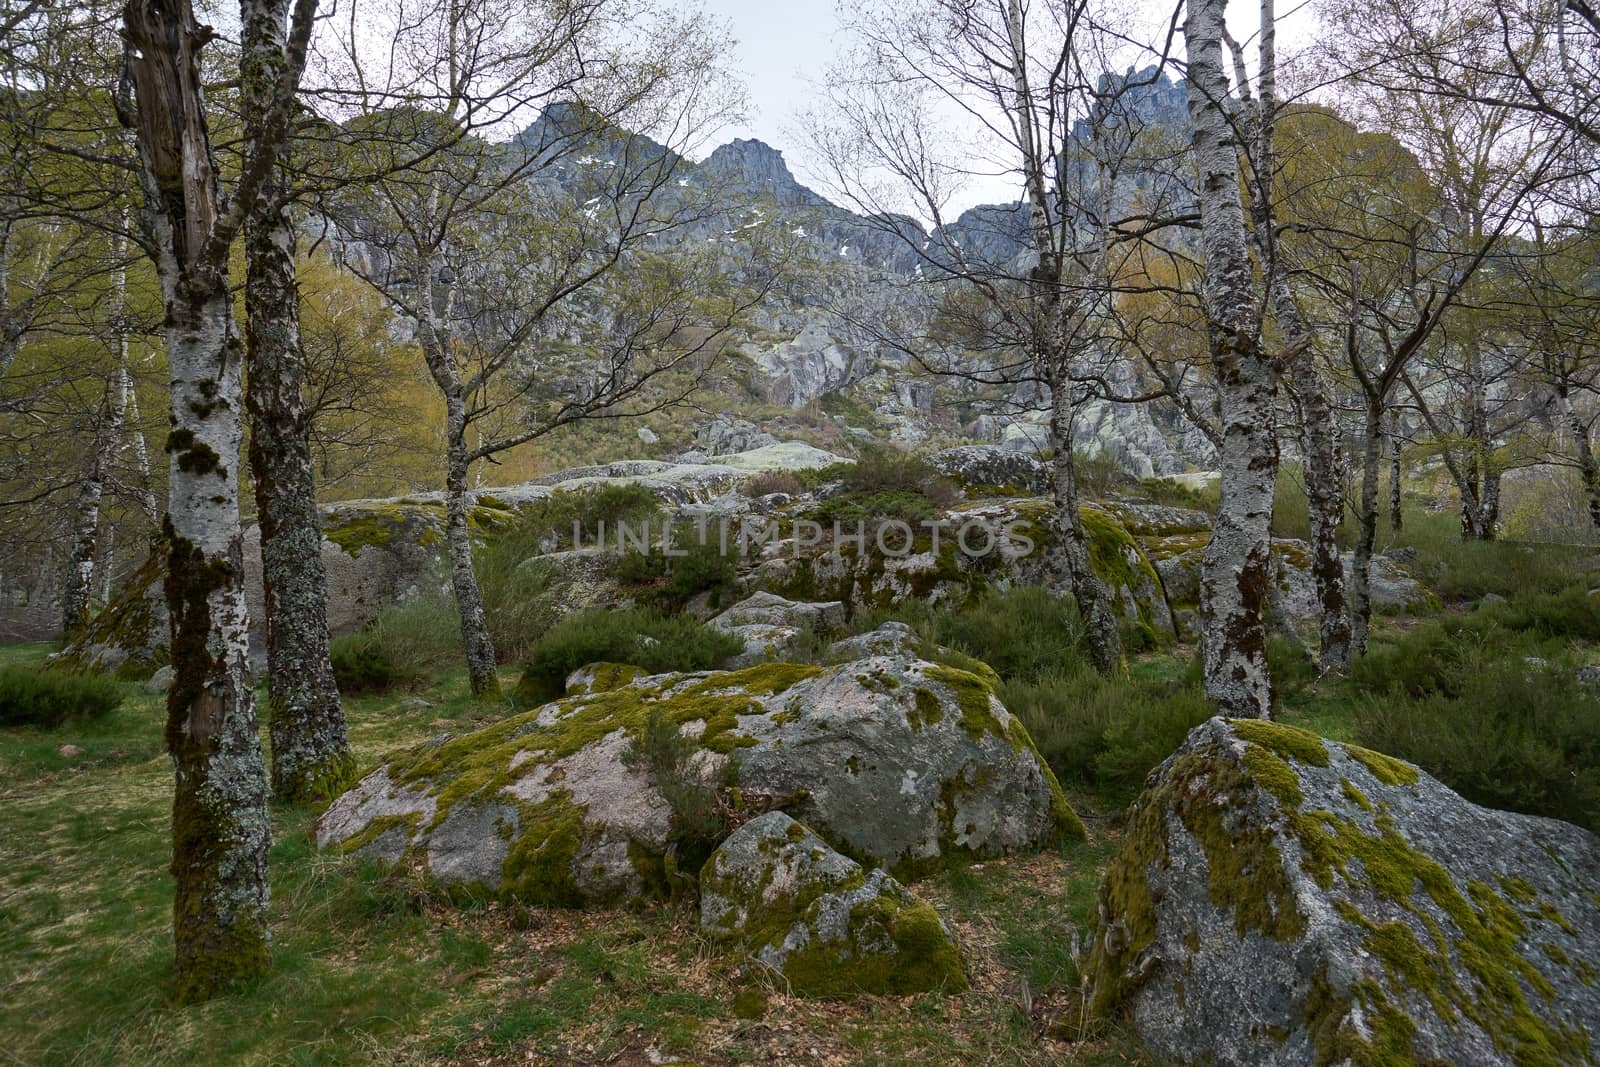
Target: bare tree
{"points": [[1032, 80], [503, 252], [221, 832]]}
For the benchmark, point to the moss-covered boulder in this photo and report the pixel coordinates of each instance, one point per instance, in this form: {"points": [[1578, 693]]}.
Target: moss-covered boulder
{"points": [[130, 635], [1281, 899], [993, 541], [597, 797], [819, 920], [770, 625]]}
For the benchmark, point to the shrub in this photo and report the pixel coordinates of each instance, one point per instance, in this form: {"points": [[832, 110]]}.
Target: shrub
{"points": [[1105, 732], [49, 698], [1024, 633], [1290, 664], [1468, 570], [1099, 473], [641, 636], [363, 663], [1514, 735], [773, 482], [1177, 494], [669, 756], [848, 509], [671, 582]]}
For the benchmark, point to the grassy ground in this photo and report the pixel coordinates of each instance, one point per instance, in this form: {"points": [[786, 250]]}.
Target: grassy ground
{"points": [[373, 968]]}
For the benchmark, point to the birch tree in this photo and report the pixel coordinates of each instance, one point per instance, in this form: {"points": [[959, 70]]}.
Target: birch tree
{"points": [[221, 832], [1236, 570], [310, 749], [1049, 113], [493, 248]]}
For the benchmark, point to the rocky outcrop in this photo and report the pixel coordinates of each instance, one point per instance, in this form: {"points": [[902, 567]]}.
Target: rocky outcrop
{"points": [[770, 626], [993, 467], [1004, 542], [1281, 899], [724, 435], [895, 761], [818, 920], [811, 365]]}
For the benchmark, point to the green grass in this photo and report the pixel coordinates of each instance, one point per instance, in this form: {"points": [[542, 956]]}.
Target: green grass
{"points": [[373, 967]]}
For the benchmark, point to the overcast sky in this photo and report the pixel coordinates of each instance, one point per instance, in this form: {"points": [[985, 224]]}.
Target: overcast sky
{"points": [[784, 47]]}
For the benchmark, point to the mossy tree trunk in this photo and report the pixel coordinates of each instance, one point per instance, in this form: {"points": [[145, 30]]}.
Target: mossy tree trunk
{"points": [[220, 829], [1236, 571], [1367, 527], [434, 334], [1070, 544], [1582, 449], [1396, 449], [311, 758]]}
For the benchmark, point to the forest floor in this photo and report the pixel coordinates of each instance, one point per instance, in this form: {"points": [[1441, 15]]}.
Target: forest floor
{"points": [[371, 967]]}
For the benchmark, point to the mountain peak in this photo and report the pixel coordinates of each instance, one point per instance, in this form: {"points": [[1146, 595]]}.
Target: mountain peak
{"points": [[760, 166]]}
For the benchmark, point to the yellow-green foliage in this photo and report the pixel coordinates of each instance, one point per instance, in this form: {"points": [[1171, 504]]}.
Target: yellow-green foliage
{"points": [[1385, 769], [1290, 742]]}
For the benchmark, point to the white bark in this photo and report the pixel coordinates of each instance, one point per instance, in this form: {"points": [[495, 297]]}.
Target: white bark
{"points": [[1235, 575]]}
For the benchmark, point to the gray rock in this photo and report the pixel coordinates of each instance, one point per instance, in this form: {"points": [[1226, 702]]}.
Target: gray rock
{"points": [[890, 639], [647, 435], [770, 625], [1025, 437], [992, 465], [910, 764], [1284, 900], [799, 371], [1401, 554], [818, 920], [724, 435], [160, 681]]}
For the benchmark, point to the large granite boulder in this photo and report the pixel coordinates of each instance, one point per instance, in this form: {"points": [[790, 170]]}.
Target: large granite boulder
{"points": [[1281, 899], [818, 920], [983, 542], [769, 625], [725, 434], [990, 466], [894, 760]]}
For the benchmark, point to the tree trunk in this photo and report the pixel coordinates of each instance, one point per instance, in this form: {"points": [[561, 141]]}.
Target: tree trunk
{"points": [[475, 636], [1396, 514], [220, 830], [1583, 451], [1367, 532], [1324, 499], [311, 758], [1237, 564], [86, 547], [1071, 545]]}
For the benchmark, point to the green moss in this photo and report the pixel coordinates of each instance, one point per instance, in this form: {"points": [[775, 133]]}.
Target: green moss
{"points": [[1354, 795], [924, 959], [926, 709], [1385, 769], [950, 657], [1274, 775], [1290, 742], [538, 868], [607, 676], [1211, 796], [1487, 929], [972, 696], [1556, 954]]}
